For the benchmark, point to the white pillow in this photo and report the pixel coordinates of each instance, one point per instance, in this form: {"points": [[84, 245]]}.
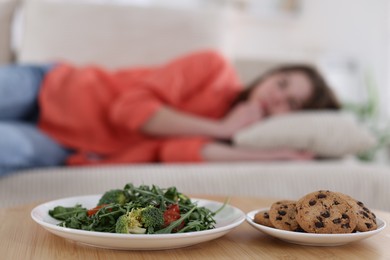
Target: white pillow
{"points": [[326, 133]]}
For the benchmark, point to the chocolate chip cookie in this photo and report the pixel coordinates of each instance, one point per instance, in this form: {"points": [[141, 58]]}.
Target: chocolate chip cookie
{"points": [[282, 215], [325, 212], [262, 218], [366, 219]]}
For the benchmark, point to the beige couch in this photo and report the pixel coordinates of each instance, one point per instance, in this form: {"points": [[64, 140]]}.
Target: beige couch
{"points": [[120, 34], [291, 180]]}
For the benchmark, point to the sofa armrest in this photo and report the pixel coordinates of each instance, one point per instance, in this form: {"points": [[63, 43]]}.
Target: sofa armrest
{"points": [[7, 11]]}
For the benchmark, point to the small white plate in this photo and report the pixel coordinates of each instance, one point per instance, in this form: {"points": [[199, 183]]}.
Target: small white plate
{"points": [[229, 218], [310, 239]]}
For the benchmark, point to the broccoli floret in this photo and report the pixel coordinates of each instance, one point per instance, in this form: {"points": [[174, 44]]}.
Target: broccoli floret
{"points": [[129, 223], [140, 221], [114, 196], [151, 218]]}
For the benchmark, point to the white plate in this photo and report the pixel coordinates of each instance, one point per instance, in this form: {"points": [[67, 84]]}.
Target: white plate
{"points": [[229, 218], [310, 239]]}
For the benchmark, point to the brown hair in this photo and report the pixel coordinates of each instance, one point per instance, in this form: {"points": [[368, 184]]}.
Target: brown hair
{"points": [[322, 97]]}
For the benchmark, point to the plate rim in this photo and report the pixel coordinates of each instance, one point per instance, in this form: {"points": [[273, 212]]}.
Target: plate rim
{"points": [[236, 222]]}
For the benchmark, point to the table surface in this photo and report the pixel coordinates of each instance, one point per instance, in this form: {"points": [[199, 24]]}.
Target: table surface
{"points": [[22, 238]]}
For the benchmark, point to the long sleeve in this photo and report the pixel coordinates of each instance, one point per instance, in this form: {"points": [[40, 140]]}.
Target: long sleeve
{"points": [[181, 150], [185, 80]]}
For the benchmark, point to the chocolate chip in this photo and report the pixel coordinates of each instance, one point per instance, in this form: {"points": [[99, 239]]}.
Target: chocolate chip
{"points": [[282, 212], [366, 209], [285, 206], [321, 196], [368, 225], [319, 224], [373, 214], [278, 218], [325, 214], [346, 225], [287, 223], [266, 215], [344, 216], [365, 214], [335, 202], [337, 221], [312, 202], [361, 204], [299, 229]]}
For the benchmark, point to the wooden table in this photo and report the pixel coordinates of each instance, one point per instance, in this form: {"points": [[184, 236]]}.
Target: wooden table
{"points": [[22, 238]]}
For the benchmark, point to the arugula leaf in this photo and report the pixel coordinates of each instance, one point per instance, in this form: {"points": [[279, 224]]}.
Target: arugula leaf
{"points": [[63, 213], [175, 223]]}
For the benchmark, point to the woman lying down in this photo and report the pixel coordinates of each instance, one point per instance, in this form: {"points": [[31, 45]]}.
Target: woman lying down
{"points": [[184, 111]]}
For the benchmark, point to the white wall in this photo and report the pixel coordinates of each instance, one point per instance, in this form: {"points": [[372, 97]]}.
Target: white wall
{"points": [[330, 32]]}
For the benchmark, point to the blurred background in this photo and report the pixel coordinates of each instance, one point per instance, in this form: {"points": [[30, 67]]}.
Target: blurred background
{"points": [[347, 39]]}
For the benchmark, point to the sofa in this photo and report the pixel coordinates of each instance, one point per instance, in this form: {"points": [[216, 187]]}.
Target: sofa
{"points": [[114, 34]]}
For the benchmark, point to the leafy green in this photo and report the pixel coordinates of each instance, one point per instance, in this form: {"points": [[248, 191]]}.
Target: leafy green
{"points": [[63, 213], [176, 223], [143, 210], [114, 196]]}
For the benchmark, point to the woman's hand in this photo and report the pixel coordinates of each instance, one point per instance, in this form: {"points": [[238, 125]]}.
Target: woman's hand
{"points": [[239, 117], [225, 153]]}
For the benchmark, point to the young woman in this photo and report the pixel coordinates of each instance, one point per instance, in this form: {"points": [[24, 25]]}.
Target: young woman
{"points": [[183, 111]]}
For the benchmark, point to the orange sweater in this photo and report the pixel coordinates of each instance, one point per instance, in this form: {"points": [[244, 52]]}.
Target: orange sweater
{"points": [[99, 113]]}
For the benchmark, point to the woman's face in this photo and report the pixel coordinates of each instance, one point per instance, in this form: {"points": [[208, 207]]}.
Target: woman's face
{"points": [[282, 92]]}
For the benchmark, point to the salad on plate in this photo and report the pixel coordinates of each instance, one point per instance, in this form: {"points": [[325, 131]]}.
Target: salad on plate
{"points": [[138, 210]]}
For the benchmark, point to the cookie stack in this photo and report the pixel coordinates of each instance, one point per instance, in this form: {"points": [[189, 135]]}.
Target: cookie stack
{"points": [[321, 211]]}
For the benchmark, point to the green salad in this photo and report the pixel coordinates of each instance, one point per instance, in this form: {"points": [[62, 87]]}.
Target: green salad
{"points": [[138, 210]]}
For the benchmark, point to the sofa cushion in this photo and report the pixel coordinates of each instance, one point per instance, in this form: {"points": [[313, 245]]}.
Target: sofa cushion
{"points": [[326, 133], [283, 180], [7, 8], [117, 34]]}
